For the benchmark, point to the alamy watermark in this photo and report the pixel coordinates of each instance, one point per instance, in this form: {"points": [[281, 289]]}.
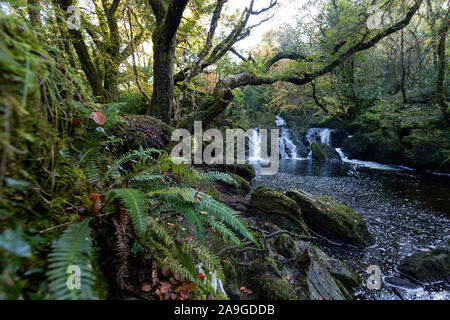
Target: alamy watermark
{"points": [[230, 150], [374, 280]]}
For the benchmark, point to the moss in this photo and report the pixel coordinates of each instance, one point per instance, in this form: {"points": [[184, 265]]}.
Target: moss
{"points": [[101, 284], [273, 288], [322, 151], [243, 186], [213, 192], [332, 219], [344, 291], [276, 205], [285, 245]]}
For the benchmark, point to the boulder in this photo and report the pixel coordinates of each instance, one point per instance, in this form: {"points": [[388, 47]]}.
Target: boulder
{"points": [[270, 287], [429, 266], [316, 281], [289, 248], [241, 188], [322, 151], [280, 209], [356, 147], [144, 131], [337, 137], [246, 171], [332, 219]]}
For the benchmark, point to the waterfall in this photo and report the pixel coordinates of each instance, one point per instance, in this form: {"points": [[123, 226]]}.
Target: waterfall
{"points": [[288, 149], [316, 135], [255, 147]]}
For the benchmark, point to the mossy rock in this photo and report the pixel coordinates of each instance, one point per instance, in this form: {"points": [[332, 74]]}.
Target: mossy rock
{"points": [[145, 131], [246, 171], [289, 248], [269, 287], [332, 219], [316, 281], [322, 151], [282, 210], [357, 146], [426, 267], [242, 188]]}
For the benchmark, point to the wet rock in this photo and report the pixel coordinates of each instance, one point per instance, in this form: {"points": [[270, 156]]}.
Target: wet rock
{"points": [[429, 266], [280, 209], [332, 219], [337, 137], [356, 147], [270, 287], [242, 188], [322, 151], [246, 171], [317, 282], [289, 248], [401, 283]]}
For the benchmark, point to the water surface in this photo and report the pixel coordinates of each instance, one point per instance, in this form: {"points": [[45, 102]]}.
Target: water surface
{"points": [[406, 211]]}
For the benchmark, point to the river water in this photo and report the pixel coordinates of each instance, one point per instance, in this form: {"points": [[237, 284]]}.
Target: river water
{"points": [[406, 211]]}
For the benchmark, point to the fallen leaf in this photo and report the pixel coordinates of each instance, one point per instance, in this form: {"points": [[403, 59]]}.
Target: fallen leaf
{"points": [[96, 207], [201, 276], [185, 289], [146, 286], [99, 118]]}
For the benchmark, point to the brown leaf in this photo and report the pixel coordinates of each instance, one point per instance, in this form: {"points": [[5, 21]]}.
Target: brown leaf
{"points": [[99, 118], [96, 207], [146, 286], [201, 276], [185, 289], [165, 271], [93, 196]]}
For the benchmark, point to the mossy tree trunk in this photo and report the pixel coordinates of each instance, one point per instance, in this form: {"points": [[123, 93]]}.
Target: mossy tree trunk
{"points": [[168, 17], [440, 94]]}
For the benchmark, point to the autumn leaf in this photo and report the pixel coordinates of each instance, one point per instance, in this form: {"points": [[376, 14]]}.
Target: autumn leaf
{"points": [[99, 118], [146, 286], [201, 276], [185, 289]]}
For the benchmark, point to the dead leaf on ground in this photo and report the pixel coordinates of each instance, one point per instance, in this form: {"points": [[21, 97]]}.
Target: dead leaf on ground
{"points": [[146, 286]]}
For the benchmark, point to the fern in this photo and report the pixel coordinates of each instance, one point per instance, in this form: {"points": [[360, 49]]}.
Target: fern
{"points": [[73, 248], [135, 203], [217, 176]]}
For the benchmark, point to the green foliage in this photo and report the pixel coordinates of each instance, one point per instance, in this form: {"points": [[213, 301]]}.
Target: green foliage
{"points": [[135, 203], [73, 248]]}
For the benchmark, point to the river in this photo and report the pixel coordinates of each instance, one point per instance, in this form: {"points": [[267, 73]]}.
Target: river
{"points": [[405, 210]]}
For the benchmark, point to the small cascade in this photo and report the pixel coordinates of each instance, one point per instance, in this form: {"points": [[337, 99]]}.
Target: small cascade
{"points": [[255, 147], [288, 149], [316, 135]]}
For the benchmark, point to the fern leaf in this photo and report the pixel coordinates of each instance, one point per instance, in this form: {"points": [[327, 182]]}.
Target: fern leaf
{"points": [[73, 248], [135, 202]]}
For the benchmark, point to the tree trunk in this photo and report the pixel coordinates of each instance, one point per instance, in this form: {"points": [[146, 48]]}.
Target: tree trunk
{"points": [[83, 55], [168, 17], [163, 85], [440, 93], [34, 12]]}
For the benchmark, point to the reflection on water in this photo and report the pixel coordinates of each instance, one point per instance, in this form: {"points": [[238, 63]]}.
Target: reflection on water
{"points": [[404, 210]]}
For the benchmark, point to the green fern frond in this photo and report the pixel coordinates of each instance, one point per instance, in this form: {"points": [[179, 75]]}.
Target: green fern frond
{"points": [[160, 231], [212, 176], [73, 248], [177, 193], [135, 203], [225, 214]]}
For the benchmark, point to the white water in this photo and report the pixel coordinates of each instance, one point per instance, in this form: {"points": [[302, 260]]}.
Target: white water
{"points": [[288, 149], [255, 147]]}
